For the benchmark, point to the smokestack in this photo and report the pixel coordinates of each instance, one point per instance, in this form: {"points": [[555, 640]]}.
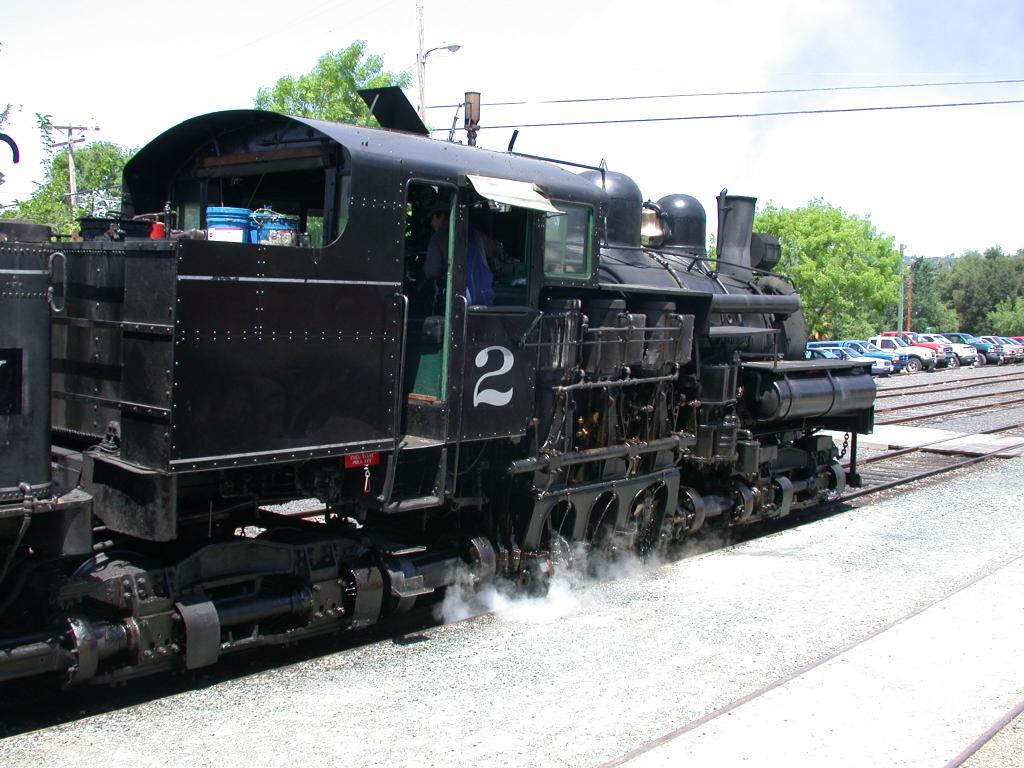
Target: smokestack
{"points": [[735, 228]]}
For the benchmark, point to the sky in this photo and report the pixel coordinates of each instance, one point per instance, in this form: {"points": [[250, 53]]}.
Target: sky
{"points": [[938, 180]]}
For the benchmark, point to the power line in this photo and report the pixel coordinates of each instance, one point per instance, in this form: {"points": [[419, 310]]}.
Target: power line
{"points": [[692, 94], [276, 32], [746, 114], [294, 27]]}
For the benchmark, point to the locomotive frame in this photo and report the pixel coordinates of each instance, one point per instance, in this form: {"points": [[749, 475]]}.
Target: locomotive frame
{"points": [[170, 392]]}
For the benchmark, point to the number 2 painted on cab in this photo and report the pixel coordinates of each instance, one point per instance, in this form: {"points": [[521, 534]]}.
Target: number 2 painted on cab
{"points": [[492, 396]]}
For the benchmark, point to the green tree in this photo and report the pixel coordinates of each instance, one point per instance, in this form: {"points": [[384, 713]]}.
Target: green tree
{"points": [[329, 91], [1007, 319], [98, 168], [846, 272], [977, 282], [929, 310]]}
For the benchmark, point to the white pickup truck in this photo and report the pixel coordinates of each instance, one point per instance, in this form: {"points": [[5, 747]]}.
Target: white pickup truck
{"points": [[918, 358], [964, 353]]}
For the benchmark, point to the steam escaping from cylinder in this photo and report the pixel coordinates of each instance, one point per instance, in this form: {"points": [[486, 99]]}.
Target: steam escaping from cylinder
{"points": [[573, 587]]}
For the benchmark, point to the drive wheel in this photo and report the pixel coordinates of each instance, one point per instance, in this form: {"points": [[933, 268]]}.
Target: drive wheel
{"points": [[914, 365], [954, 362]]}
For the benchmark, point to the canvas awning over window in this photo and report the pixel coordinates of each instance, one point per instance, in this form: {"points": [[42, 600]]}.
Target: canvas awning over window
{"points": [[520, 194]]}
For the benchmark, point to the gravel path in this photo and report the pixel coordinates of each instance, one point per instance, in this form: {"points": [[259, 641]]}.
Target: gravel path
{"points": [[597, 670]]}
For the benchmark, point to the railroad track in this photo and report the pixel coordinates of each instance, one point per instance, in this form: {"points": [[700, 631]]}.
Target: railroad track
{"points": [[933, 414], [796, 674], [914, 399], [880, 472], [963, 382]]}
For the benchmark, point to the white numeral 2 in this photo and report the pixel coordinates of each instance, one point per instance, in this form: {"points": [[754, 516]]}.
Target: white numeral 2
{"points": [[492, 396]]}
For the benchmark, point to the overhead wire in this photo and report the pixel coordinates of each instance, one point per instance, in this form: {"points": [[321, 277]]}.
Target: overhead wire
{"points": [[761, 92], [725, 116], [294, 26]]}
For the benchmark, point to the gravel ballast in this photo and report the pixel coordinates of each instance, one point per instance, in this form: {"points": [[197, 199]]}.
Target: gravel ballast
{"points": [[915, 599]]}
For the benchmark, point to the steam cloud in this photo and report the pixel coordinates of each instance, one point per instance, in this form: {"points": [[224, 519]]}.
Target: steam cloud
{"points": [[568, 590]]}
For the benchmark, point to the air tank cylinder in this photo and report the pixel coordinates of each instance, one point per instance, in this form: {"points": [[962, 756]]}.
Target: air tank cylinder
{"points": [[815, 396], [24, 372]]}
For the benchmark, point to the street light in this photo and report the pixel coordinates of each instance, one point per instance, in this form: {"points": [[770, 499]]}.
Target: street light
{"points": [[421, 72]]}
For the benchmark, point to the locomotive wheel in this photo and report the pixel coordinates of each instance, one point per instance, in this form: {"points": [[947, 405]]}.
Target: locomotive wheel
{"points": [[649, 514], [601, 527], [792, 328], [558, 529]]}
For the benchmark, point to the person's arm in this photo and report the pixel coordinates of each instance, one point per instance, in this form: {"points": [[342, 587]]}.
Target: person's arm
{"points": [[437, 252]]}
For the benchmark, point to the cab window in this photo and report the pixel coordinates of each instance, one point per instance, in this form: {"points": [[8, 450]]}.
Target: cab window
{"points": [[567, 242]]}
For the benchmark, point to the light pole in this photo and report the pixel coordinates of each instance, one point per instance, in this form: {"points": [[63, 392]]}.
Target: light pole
{"points": [[421, 60], [422, 75]]}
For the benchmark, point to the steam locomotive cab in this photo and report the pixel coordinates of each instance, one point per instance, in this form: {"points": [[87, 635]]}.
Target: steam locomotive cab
{"points": [[476, 363]]}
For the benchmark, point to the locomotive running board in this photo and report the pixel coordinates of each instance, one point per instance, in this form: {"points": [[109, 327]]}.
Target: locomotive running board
{"points": [[407, 505]]}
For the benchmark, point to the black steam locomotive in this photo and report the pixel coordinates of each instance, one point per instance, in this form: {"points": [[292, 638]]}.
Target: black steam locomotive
{"points": [[168, 394]]}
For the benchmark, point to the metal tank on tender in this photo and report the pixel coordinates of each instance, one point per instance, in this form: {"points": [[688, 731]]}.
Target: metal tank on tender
{"points": [[24, 363]]}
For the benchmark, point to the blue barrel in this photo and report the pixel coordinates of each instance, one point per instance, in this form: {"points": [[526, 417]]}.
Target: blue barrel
{"points": [[272, 228], [230, 225]]}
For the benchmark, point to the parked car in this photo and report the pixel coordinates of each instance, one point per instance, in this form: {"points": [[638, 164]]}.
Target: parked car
{"points": [[963, 354], [918, 358], [1007, 354], [878, 367], [943, 350], [987, 352], [1016, 346], [898, 361], [821, 354]]}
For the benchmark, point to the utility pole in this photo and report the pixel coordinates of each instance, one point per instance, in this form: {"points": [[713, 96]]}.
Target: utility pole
{"points": [[910, 300], [70, 142], [421, 62], [899, 315]]}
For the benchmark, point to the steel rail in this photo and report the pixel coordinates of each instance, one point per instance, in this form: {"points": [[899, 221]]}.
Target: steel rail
{"points": [[914, 448], [976, 396], [950, 412], [926, 474], [939, 386], [986, 737], [756, 694]]}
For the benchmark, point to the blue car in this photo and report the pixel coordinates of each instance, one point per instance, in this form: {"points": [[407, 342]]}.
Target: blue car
{"points": [[865, 349], [879, 366]]}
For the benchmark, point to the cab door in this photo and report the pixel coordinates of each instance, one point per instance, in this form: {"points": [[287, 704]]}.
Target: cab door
{"points": [[427, 291]]}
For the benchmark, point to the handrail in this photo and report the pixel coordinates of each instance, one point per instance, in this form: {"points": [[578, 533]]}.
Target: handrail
{"points": [[396, 424]]}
